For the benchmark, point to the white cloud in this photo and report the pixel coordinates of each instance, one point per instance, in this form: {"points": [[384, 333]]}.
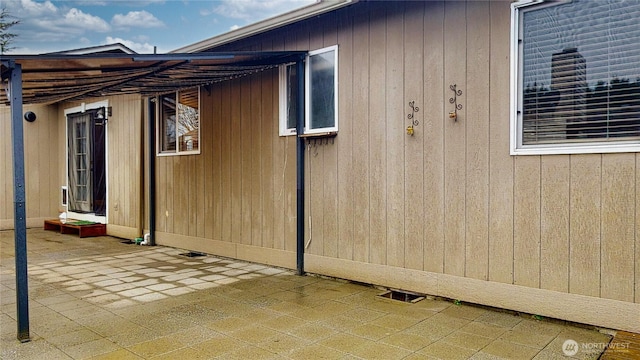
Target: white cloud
{"points": [[141, 19], [29, 8], [252, 10], [234, 27], [142, 48], [79, 19]]}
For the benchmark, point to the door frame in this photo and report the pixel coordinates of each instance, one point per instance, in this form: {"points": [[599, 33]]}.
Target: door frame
{"points": [[81, 109]]}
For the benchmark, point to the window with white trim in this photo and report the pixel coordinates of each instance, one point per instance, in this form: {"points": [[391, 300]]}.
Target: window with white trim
{"points": [[575, 77], [288, 99], [321, 93], [178, 119]]}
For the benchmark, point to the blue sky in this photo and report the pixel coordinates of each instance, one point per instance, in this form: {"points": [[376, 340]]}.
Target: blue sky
{"points": [[49, 26]]}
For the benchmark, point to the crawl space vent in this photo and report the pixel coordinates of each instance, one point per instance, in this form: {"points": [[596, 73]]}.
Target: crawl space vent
{"points": [[402, 296], [193, 254]]}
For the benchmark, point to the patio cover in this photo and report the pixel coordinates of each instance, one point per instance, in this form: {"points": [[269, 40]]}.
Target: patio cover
{"points": [[51, 78]]}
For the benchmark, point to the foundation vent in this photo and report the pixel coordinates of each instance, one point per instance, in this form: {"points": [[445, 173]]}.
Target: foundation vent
{"points": [[403, 296]]}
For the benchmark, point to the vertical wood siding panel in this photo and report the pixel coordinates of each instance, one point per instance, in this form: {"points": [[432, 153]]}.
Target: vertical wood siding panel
{"points": [[226, 160], [279, 143], [205, 162], [221, 172], [256, 135], [246, 141], [477, 190], [236, 162], [584, 242], [47, 189], [123, 177], [315, 197], [50, 200], [43, 193], [140, 162], [360, 147], [395, 136], [180, 195], [195, 196], [31, 169], [554, 221], [132, 170], [526, 242], [330, 163], [113, 149], [120, 165], [414, 147], [618, 227], [215, 172], [58, 173], [128, 187], [171, 210], [500, 162], [344, 142], [269, 91], [291, 215], [434, 118], [455, 139], [161, 193], [330, 202], [377, 134], [637, 245]]}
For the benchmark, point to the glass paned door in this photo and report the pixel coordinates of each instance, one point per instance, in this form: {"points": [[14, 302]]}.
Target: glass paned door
{"points": [[80, 130]]}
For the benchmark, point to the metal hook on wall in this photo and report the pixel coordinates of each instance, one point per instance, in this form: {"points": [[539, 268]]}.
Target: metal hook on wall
{"points": [[411, 116], [454, 100]]}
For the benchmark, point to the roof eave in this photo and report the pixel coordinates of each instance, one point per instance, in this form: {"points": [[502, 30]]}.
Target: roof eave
{"points": [[306, 12]]}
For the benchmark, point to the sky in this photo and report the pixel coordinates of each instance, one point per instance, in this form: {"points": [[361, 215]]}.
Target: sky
{"points": [[51, 26]]}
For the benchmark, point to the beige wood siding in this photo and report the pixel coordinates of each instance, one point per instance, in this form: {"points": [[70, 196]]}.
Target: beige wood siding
{"points": [[241, 187], [440, 211], [42, 166]]}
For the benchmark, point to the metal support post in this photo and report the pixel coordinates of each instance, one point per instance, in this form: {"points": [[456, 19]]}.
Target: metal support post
{"points": [[20, 217]]}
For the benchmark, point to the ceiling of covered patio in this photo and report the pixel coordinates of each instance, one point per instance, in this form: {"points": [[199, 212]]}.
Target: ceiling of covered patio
{"points": [[52, 78]]}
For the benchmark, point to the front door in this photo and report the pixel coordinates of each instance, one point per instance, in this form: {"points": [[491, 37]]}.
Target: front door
{"points": [[86, 163]]}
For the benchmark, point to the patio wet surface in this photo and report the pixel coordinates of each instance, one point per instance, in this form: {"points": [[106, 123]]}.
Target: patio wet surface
{"points": [[97, 298]]}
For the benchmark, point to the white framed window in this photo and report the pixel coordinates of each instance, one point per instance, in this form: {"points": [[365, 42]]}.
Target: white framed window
{"points": [[178, 122], [321, 93], [575, 77], [288, 99]]}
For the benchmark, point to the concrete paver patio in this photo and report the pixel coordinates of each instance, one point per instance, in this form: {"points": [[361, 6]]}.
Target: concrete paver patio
{"points": [[97, 298]]}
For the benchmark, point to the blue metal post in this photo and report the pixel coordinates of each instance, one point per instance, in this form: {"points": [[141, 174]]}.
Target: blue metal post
{"points": [[300, 169], [20, 218]]}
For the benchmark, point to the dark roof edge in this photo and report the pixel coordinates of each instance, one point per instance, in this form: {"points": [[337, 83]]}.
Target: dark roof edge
{"points": [[150, 57]]}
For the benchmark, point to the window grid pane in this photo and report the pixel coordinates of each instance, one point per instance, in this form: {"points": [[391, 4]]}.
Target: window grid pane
{"points": [[581, 72]]}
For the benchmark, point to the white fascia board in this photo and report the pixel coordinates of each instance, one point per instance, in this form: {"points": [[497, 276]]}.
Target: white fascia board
{"points": [[321, 7]]}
